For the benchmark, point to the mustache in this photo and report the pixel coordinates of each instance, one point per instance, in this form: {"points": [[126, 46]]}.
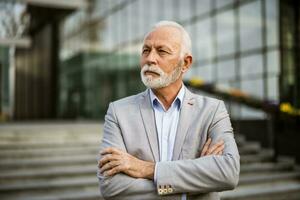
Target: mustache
{"points": [[152, 68]]}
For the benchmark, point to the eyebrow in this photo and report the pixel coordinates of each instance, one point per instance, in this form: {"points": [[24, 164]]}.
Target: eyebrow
{"points": [[158, 47]]}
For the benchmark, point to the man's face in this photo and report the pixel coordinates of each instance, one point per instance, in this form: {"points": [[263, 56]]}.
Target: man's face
{"points": [[161, 61]]}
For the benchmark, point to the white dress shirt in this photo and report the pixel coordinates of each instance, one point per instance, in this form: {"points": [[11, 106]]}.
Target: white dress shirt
{"points": [[166, 125]]}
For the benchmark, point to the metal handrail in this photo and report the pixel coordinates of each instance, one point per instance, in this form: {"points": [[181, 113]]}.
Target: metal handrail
{"points": [[238, 96]]}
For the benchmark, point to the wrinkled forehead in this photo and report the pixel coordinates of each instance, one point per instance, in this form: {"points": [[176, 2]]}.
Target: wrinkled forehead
{"points": [[166, 35]]}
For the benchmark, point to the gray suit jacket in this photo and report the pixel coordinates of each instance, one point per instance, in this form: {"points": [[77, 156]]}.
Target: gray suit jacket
{"points": [[130, 126]]}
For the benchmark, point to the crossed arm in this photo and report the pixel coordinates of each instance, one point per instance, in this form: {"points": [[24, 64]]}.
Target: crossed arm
{"points": [[116, 161], [122, 176]]}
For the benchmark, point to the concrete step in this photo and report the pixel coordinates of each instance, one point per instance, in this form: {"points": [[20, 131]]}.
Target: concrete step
{"points": [[87, 158], [87, 193], [48, 161], [265, 155], [48, 132], [266, 167], [239, 139], [47, 144], [270, 177], [51, 184], [66, 170], [42, 149], [49, 151], [10, 176], [265, 191], [249, 148], [56, 138], [56, 162]]}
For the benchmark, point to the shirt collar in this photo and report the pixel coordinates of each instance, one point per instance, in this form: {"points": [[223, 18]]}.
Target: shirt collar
{"points": [[177, 101]]}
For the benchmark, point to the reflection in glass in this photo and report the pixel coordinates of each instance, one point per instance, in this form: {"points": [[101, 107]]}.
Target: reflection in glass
{"points": [[203, 36], [272, 22], [253, 86], [225, 33], [250, 26], [222, 3], [251, 65], [226, 70]]}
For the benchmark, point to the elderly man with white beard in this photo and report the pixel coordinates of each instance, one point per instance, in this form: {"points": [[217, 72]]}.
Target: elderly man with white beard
{"points": [[167, 142]]}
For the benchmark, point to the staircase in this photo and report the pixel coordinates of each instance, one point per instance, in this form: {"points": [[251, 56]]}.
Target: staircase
{"points": [[58, 162]]}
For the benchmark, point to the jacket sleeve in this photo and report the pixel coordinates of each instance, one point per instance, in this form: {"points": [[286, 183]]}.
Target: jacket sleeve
{"points": [[121, 186], [208, 173]]}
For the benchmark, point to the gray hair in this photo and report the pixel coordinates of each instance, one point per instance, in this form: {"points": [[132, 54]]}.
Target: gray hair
{"points": [[186, 46]]}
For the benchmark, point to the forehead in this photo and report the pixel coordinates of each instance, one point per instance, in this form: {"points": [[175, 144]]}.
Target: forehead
{"points": [[164, 36]]}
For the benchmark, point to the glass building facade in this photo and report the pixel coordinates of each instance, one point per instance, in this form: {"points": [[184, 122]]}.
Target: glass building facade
{"points": [[236, 44]]}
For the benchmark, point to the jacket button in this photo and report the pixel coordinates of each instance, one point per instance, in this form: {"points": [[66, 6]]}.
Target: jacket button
{"points": [[170, 190], [160, 191]]}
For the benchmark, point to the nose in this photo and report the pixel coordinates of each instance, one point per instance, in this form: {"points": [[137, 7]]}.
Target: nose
{"points": [[151, 58]]}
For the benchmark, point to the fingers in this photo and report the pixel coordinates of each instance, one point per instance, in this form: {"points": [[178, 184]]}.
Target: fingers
{"points": [[107, 158], [216, 148], [205, 148], [219, 149], [109, 165], [220, 153], [109, 154], [113, 171], [110, 150]]}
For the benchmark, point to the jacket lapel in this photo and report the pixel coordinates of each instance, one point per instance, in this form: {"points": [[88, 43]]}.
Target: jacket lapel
{"points": [[185, 119], [149, 123]]}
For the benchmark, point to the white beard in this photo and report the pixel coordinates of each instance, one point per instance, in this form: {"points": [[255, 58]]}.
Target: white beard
{"points": [[163, 80]]}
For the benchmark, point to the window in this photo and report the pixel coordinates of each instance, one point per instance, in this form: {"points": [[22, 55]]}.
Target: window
{"points": [[250, 26], [225, 33]]}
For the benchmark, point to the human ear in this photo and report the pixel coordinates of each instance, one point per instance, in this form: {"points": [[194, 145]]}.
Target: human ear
{"points": [[187, 62]]}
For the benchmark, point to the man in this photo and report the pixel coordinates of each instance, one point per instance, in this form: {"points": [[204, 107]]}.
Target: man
{"points": [[167, 143]]}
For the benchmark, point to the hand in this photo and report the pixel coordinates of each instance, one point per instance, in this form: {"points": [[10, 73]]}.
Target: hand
{"points": [[115, 161], [216, 149]]}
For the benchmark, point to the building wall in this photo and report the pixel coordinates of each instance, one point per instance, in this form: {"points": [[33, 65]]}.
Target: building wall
{"points": [[235, 43], [35, 83], [4, 82]]}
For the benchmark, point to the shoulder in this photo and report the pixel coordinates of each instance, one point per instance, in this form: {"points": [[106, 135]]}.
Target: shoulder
{"points": [[130, 101], [205, 101]]}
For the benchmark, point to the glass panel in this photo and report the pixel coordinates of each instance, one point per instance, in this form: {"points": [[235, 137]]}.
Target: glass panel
{"points": [[273, 88], [101, 7], [204, 38], [123, 35], [222, 3], [191, 73], [192, 31], [273, 59], [168, 11], [206, 72], [235, 110], [201, 6], [107, 35], [251, 65], [249, 113], [185, 10], [152, 13], [250, 26], [272, 20], [226, 70], [225, 33], [288, 25], [253, 87]]}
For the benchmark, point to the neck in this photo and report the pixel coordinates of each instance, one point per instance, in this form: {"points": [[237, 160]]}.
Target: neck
{"points": [[167, 94]]}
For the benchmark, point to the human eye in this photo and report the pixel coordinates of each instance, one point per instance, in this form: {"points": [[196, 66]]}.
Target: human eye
{"points": [[146, 50], [162, 51]]}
